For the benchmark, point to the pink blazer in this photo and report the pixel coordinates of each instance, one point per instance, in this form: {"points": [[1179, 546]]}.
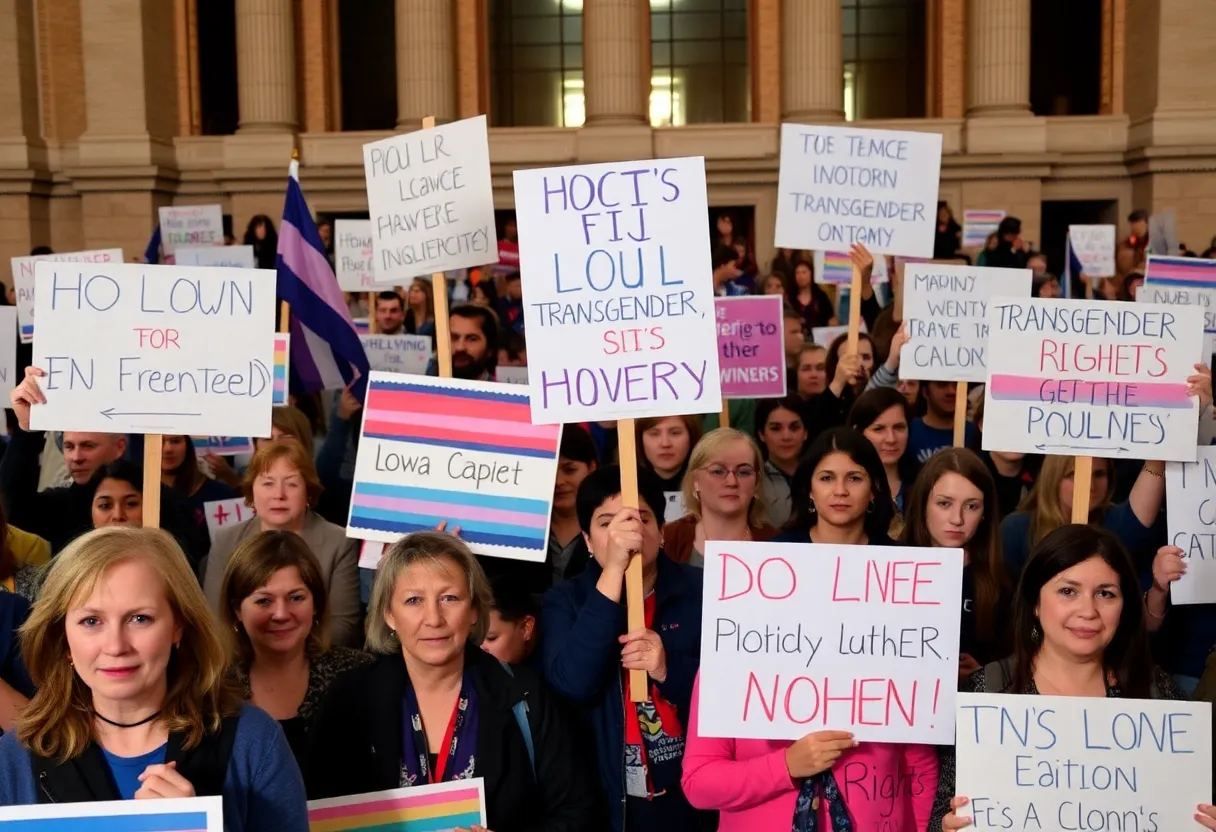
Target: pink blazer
{"points": [[886, 787]]}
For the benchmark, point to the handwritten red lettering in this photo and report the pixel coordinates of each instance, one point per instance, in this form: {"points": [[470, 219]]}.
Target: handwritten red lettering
{"points": [[722, 596], [793, 577], [778, 588], [836, 596], [895, 582], [835, 702], [769, 706], [158, 339], [1106, 359], [918, 581]]}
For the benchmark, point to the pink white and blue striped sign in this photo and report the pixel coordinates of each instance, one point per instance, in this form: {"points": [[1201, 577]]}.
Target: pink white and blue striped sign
{"points": [[461, 452], [187, 814]]}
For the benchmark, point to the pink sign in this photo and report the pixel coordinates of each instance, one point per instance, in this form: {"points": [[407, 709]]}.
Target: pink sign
{"points": [[751, 352]]}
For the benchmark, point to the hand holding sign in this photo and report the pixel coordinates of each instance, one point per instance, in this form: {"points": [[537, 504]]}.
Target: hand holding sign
{"points": [[816, 753], [25, 395], [644, 650]]}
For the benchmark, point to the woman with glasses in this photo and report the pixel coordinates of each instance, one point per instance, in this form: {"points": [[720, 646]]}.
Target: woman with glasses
{"points": [[724, 494]]}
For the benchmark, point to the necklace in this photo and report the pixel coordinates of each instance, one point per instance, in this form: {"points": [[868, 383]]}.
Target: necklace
{"points": [[143, 721]]}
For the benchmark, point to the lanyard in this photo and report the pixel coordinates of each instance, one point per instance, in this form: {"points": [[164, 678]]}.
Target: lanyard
{"points": [[445, 752]]}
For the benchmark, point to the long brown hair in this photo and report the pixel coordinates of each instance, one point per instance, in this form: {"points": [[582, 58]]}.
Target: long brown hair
{"points": [[1043, 501], [429, 292], [987, 563]]}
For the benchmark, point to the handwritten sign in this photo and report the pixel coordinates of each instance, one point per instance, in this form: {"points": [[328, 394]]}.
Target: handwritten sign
{"points": [[800, 637], [1096, 378], [1190, 488], [946, 315], [190, 225], [751, 346], [354, 258], [836, 269], [617, 275], [1181, 281], [431, 200], [1076, 763], [1094, 246], [23, 280], [398, 353], [168, 362], [236, 257], [841, 185], [458, 804], [198, 814], [511, 375], [464, 452], [222, 445], [221, 513], [281, 395], [978, 224]]}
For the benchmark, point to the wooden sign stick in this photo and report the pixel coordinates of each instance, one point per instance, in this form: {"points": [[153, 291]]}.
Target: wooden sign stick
{"points": [[854, 311], [153, 447], [639, 688], [960, 415], [724, 417], [439, 287], [372, 326], [1082, 483]]}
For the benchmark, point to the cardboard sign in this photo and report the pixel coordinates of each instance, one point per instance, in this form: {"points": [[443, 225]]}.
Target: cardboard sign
{"points": [[221, 513], [825, 335], [398, 353], [168, 361], [836, 269], [190, 225], [1181, 281], [751, 346], [840, 185], [197, 814], [798, 637], [23, 280], [431, 201], [617, 274], [1094, 246], [1036, 763], [946, 315], [977, 225], [354, 258], [511, 375], [464, 452], [1093, 378], [1190, 495], [457, 804], [236, 257]]}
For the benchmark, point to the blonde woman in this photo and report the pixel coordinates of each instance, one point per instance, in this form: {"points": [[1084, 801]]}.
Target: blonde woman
{"points": [[724, 492], [131, 698]]}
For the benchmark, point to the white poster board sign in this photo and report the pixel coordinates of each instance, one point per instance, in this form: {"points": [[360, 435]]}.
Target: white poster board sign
{"points": [[198, 814], [615, 260], [221, 513], [797, 638], [8, 349], [825, 335], [1181, 281], [840, 185], [946, 315], [236, 257], [511, 375], [431, 201], [1091, 378], [433, 807], [1190, 495], [1094, 246], [169, 361], [190, 225], [398, 353], [354, 259], [835, 268], [1037, 763], [23, 280]]}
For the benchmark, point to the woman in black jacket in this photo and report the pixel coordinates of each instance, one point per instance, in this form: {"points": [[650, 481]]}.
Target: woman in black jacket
{"points": [[470, 715]]}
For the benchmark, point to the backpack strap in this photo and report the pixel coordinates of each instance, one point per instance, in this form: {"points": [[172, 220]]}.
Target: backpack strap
{"points": [[520, 710]]}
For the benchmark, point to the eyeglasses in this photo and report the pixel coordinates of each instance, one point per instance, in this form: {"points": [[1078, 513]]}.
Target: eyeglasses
{"points": [[719, 472]]}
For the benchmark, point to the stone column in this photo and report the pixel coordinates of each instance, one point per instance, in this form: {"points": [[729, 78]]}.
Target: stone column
{"points": [[998, 57], [426, 62], [616, 61], [812, 69], [266, 66]]}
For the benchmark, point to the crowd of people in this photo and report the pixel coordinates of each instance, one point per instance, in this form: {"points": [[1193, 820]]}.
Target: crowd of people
{"points": [[263, 665]]}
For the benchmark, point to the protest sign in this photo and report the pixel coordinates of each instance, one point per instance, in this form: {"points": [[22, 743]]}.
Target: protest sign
{"points": [[840, 185], [751, 346], [8, 348], [1080, 763], [280, 396], [825, 335], [616, 267], [1191, 511], [354, 259], [221, 513], [457, 804], [1091, 378], [1162, 233], [464, 452], [946, 319], [1094, 246], [197, 814], [168, 362], [797, 638], [237, 257], [398, 353], [190, 225], [511, 375], [1181, 281], [23, 280], [977, 225], [431, 201], [222, 445], [371, 552], [836, 269]]}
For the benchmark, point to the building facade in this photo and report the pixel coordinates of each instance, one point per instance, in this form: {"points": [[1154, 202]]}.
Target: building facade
{"points": [[110, 109]]}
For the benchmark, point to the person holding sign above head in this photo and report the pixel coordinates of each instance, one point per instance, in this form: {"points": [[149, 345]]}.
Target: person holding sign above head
{"points": [[587, 653], [1078, 630], [882, 416], [848, 373], [783, 439], [132, 700], [281, 486], [434, 707], [724, 494]]}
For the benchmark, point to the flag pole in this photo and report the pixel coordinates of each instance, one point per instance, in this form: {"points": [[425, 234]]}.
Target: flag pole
{"points": [[439, 285], [284, 306]]}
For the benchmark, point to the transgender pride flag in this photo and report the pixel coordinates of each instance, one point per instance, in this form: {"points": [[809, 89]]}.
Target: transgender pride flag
{"points": [[326, 353]]}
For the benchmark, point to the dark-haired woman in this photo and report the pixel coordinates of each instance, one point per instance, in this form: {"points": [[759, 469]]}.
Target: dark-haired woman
{"points": [[882, 415], [782, 438], [179, 471], [261, 235]]}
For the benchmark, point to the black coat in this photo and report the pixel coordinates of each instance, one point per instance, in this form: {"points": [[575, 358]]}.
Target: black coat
{"points": [[355, 745]]}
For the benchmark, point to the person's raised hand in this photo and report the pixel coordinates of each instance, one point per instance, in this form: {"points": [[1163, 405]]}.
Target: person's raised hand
{"points": [[816, 752], [27, 394], [1168, 566]]}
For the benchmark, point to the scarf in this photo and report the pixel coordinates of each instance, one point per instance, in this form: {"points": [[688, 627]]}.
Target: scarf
{"points": [[456, 758], [806, 810]]}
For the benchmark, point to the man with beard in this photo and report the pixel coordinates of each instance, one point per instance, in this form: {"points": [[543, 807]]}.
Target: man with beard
{"points": [[474, 331]]}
